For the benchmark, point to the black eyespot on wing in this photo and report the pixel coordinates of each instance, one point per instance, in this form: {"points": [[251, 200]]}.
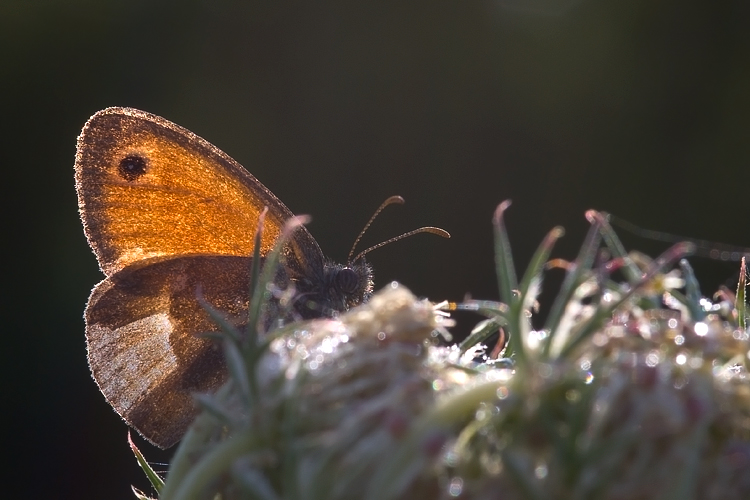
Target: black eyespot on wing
{"points": [[132, 167], [347, 280]]}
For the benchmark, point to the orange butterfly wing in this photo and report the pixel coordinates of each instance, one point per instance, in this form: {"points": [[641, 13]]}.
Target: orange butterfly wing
{"points": [[148, 188], [167, 213]]}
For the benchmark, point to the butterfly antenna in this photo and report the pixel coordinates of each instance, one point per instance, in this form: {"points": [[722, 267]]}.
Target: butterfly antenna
{"points": [[389, 201], [433, 230]]}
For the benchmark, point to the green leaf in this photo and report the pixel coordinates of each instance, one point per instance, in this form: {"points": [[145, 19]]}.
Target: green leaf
{"points": [[153, 477], [741, 301]]}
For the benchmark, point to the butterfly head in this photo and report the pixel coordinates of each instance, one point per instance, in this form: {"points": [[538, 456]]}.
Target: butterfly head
{"points": [[341, 287]]}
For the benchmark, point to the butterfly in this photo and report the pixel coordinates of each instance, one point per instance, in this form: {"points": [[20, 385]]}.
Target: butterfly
{"points": [[167, 214]]}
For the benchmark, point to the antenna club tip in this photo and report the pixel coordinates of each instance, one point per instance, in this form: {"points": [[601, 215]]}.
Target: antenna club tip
{"points": [[438, 231]]}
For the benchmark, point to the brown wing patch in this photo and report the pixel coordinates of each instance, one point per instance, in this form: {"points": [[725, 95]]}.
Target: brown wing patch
{"points": [[145, 351]]}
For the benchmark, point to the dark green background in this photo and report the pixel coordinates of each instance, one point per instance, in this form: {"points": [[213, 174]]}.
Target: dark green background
{"points": [[638, 107]]}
